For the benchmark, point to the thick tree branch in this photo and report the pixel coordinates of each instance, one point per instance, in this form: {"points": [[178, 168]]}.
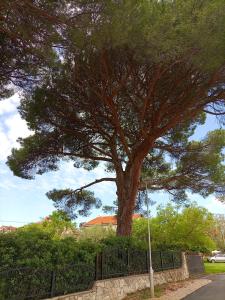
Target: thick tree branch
{"points": [[97, 158], [94, 182], [100, 150], [214, 113]]}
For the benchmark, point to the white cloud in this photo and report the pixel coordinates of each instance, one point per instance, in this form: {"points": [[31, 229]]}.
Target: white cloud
{"points": [[16, 127], [7, 184], [10, 129], [9, 105], [215, 206], [4, 145]]}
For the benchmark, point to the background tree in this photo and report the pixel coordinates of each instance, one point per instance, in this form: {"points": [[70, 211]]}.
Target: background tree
{"points": [[187, 229], [57, 225], [96, 233], [218, 232], [133, 82]]}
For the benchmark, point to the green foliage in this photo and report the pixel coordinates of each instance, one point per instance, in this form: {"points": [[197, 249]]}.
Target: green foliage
{"points": [[96, 233], [158, 30], [33, 144], [208, 162], [127, 85], [195, 166], [38, 246], [189, 229], [44, 245], [27, 39], [218, 232], [57, 225], [115, 242], [22, 248], [35, 248], [81, 201], [48, 244]]}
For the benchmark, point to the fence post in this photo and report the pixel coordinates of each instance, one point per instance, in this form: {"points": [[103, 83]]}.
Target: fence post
{"points": [[147, 264], [96, 266], [101, 265], [52, 292], [128, 262], [173, 260], [161, 261]]}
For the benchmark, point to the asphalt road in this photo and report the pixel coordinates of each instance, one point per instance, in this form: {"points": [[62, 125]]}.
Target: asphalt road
{"points": [[212, 291]]}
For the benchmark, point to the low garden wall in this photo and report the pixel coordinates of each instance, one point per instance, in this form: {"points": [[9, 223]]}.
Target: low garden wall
{"points": [[118, 288]]}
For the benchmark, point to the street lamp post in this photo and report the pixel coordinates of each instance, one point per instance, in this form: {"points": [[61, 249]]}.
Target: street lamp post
{"points": [[151, 278]]}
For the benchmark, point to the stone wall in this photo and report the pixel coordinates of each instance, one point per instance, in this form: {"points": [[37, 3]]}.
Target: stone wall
{"points": [[118, 288]]}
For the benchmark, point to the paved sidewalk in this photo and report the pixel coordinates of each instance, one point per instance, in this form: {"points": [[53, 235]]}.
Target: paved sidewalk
{"points": [[189, 288], [213, 291]]}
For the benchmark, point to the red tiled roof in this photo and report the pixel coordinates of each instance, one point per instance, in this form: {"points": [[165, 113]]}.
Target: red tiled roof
{"points": [[7, 228], [48, 218], [107, 220]]}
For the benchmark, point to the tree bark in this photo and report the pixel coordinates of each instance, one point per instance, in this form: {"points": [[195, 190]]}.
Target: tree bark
{"points": [[127, 189]]}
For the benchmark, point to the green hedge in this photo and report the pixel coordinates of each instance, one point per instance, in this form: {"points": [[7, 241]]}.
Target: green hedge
{"points": [[37, 249], [30, 258]]}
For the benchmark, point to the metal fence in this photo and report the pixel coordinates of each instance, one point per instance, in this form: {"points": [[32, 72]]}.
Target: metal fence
{"points": [[36, 283], [119, 262]]}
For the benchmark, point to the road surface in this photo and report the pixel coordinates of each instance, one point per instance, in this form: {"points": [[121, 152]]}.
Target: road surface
{"points": [[212, 291]]}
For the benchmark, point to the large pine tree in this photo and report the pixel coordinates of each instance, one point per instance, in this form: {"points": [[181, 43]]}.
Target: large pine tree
{"points": [[133, 81]]}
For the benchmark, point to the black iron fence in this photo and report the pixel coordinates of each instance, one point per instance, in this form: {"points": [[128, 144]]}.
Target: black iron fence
{"points": [[35, 283], [119, 262]]}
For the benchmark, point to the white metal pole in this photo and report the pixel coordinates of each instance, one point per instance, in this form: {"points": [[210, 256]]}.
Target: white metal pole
{"points": [[151, 278]]}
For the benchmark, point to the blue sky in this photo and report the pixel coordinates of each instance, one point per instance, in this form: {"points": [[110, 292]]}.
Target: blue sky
{"points": [[24, 201]]}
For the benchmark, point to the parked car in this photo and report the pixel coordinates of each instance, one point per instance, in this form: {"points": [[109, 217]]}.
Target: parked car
{"points": [[217, 258]]}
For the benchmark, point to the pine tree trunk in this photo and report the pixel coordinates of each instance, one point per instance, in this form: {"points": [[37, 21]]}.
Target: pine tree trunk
{"points": [[127, 189]]}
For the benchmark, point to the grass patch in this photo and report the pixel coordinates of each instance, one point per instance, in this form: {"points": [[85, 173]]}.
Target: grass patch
{"points": [[145, 294], [212, 268], [159, 291]]}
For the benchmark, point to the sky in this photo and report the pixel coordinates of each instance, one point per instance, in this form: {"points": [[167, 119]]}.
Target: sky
{"points": [[23, 201]]}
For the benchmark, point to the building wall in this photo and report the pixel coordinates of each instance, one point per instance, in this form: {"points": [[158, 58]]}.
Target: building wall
{"points": [[118, 288]]}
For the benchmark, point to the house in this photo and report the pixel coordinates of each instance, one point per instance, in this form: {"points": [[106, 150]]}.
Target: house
{"points": [[4, 229], [106, 221]]}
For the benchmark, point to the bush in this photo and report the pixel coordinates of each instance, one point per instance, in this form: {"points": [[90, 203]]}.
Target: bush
{"points": [[40, 247], [96, 233], [173, 229], [35, 248]]}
